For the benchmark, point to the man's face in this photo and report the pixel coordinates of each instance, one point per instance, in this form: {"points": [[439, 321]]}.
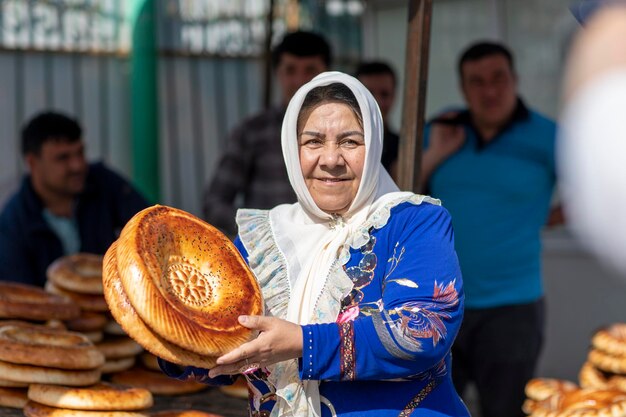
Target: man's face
{"points": [[295, 71], [490, 90], [60, 168], [382, 88]]}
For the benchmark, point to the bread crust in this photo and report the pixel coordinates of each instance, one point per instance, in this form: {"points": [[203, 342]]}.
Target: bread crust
{"points": [[119, 347], [34, 409], [80, 272], [607, 362], [611, 339], [42, 375], [118, 365], [86, 302], [101, 397], [133, 325], [50, 324], [587, 402], [87, 322], [12, 384], [539, 389], [48, 347], [150, 361], [113, 328], [186, 280], [591, 377], [27, 302], [13, 397], [95, 337]]}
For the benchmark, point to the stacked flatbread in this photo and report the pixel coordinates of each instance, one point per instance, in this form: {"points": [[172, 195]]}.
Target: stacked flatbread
{"points": [[99, 400], [602, 380], [79, 278], [38, 353], [606, 362], [177, 285]]}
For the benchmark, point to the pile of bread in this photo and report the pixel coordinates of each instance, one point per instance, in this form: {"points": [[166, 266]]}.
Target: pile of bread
{"points": [[79, 278], [173, 283], [602, 378], [177, 286], [46, 368], [48, 357]]}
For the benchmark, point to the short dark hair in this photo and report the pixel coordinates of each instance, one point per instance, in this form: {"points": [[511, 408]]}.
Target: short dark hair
{"points": [[484, 49], [331, 93], [48, 126], [302, 44], [375, 68]]}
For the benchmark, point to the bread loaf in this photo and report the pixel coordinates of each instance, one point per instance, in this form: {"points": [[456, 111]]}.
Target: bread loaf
{"points": [[185, 280]]}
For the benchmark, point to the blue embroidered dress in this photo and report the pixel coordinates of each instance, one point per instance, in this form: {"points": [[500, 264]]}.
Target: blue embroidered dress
{"points": [[388, 352]]}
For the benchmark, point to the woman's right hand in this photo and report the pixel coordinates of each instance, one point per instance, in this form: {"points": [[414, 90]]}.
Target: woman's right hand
{"points": [[278, 340]]}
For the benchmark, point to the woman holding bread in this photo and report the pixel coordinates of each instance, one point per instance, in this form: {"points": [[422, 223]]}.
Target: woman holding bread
{"points": [[362, 288]]}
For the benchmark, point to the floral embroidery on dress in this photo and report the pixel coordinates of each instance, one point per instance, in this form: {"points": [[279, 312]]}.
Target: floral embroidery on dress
{"points": [[425, 319]]}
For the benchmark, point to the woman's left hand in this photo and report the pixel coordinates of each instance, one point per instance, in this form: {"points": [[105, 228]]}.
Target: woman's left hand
{"points": [[278, 340]]}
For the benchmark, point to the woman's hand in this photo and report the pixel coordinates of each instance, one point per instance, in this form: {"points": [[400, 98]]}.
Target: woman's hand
{"points": [[278, 340]]}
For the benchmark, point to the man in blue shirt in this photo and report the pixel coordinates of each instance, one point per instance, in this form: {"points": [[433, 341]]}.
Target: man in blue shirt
{"points": [[492, 165], [64, 204]]}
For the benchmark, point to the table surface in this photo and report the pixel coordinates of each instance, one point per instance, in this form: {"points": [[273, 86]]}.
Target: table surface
{"points": [[211, 400]]}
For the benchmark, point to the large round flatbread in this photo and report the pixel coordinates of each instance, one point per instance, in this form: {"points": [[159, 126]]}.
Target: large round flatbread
{"points": [[611, 339], [48, 347], [13, 397], [119, 347], [21, 301], [185, 280], [118, 365], [87, 322], [80, 272], [124, 313], [5, 383], [42, 375], [86, 302], [34, 409], [102, 396]]}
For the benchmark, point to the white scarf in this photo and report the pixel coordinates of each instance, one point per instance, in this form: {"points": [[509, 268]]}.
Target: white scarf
{"points": [[312, 240]]}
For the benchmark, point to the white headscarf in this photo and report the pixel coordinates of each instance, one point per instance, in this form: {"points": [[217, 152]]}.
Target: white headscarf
{"points": [[310, 239]]}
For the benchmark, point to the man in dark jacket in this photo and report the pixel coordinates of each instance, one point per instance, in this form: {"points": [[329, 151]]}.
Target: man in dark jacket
{"points": [[64, 204]]}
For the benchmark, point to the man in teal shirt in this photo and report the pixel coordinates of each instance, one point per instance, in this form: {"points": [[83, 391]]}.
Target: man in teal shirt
{"points": [[492, 165]]}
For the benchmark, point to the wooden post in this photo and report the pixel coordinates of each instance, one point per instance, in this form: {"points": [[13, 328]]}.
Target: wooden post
{"points": [[414, 100]]}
